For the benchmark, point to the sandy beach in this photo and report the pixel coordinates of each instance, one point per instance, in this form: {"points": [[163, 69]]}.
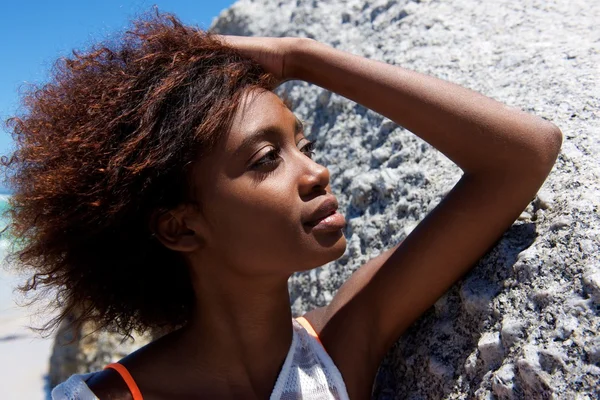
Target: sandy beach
{"points": [[24, 354]]}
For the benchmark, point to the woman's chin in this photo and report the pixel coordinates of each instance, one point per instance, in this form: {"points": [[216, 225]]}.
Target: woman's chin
{"points": [[332, 239], [330, 250]]}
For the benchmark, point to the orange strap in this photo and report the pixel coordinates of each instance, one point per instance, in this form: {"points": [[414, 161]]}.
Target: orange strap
{"points": [[304, 322], [133, 387]]}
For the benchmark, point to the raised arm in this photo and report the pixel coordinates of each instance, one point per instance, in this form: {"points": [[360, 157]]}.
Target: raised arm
{"points": [[476, 132], [506, 155]]}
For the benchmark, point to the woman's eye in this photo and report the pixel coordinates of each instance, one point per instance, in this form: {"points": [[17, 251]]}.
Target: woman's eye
{"points": [[270, 158], [310, 147]]}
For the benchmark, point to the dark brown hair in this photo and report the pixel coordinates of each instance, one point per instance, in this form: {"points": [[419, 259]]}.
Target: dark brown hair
{"points": [[107, 141]]}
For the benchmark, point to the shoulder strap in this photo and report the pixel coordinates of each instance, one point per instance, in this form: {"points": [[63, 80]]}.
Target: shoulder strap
{"points": [[133, 387], [304, 322]]}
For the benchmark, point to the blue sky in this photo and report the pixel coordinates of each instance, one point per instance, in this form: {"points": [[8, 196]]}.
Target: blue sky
{"points": [[33, 34]]}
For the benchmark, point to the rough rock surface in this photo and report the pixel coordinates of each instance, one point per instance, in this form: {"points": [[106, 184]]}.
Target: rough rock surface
{"points": [[524, 323]]}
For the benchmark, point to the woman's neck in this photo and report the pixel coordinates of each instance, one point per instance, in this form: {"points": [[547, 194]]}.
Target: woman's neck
{"points": [[233, 346], [241, 326], [244, 314]]}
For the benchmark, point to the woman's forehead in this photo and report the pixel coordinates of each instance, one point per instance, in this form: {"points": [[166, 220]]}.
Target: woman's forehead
{"points": [[259, 110]]}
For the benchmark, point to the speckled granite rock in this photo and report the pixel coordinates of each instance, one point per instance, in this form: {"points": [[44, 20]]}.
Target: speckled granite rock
{"points": [[524, 323]]}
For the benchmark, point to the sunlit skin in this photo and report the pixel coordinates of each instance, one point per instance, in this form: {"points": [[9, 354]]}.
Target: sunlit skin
{"points": [[250, 238], [253, 220], [241, 250]]}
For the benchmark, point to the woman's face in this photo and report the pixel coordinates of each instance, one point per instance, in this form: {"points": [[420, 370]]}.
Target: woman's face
{"points": [[258, 189]]}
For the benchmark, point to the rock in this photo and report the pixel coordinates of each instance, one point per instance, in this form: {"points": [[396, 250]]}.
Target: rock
{"points": [[470, 365], [512, 330], [381, 155], [552, 359], [360, 190], [524, 216], [476, 296], [64, 360], [440, 369], [593, 351], [323, 98], [536, 286], [503, 382], [543, 200], [536, 383], [561, 223], [566, 325], [490, 349], [591, 284]]}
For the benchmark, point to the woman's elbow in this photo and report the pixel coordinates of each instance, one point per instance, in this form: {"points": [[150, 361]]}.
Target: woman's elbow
{"points": [[554, 143]]}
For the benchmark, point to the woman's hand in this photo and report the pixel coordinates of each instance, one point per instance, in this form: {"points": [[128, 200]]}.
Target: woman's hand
{"points": [[272, 53]]}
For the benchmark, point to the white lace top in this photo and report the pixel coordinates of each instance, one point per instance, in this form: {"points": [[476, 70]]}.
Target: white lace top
{"points": [[307, 373]]}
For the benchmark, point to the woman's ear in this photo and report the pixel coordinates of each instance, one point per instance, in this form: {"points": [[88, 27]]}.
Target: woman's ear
{"points": [[172, 230]]}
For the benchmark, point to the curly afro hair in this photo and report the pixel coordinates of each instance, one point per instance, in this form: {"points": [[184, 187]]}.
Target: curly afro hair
{"points": [[106, 142]]}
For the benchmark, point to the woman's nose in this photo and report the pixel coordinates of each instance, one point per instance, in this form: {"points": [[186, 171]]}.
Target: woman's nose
{"points": [[314, 175]]}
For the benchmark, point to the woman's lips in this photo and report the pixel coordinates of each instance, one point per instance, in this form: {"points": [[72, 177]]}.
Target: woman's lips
{"points": [[333, 222]]}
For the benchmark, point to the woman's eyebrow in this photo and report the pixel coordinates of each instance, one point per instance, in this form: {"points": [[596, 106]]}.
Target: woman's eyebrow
{"points": [[266, 132]]}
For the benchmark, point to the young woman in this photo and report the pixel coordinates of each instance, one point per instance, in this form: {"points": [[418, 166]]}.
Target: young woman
{"points": [[160, 183]]}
